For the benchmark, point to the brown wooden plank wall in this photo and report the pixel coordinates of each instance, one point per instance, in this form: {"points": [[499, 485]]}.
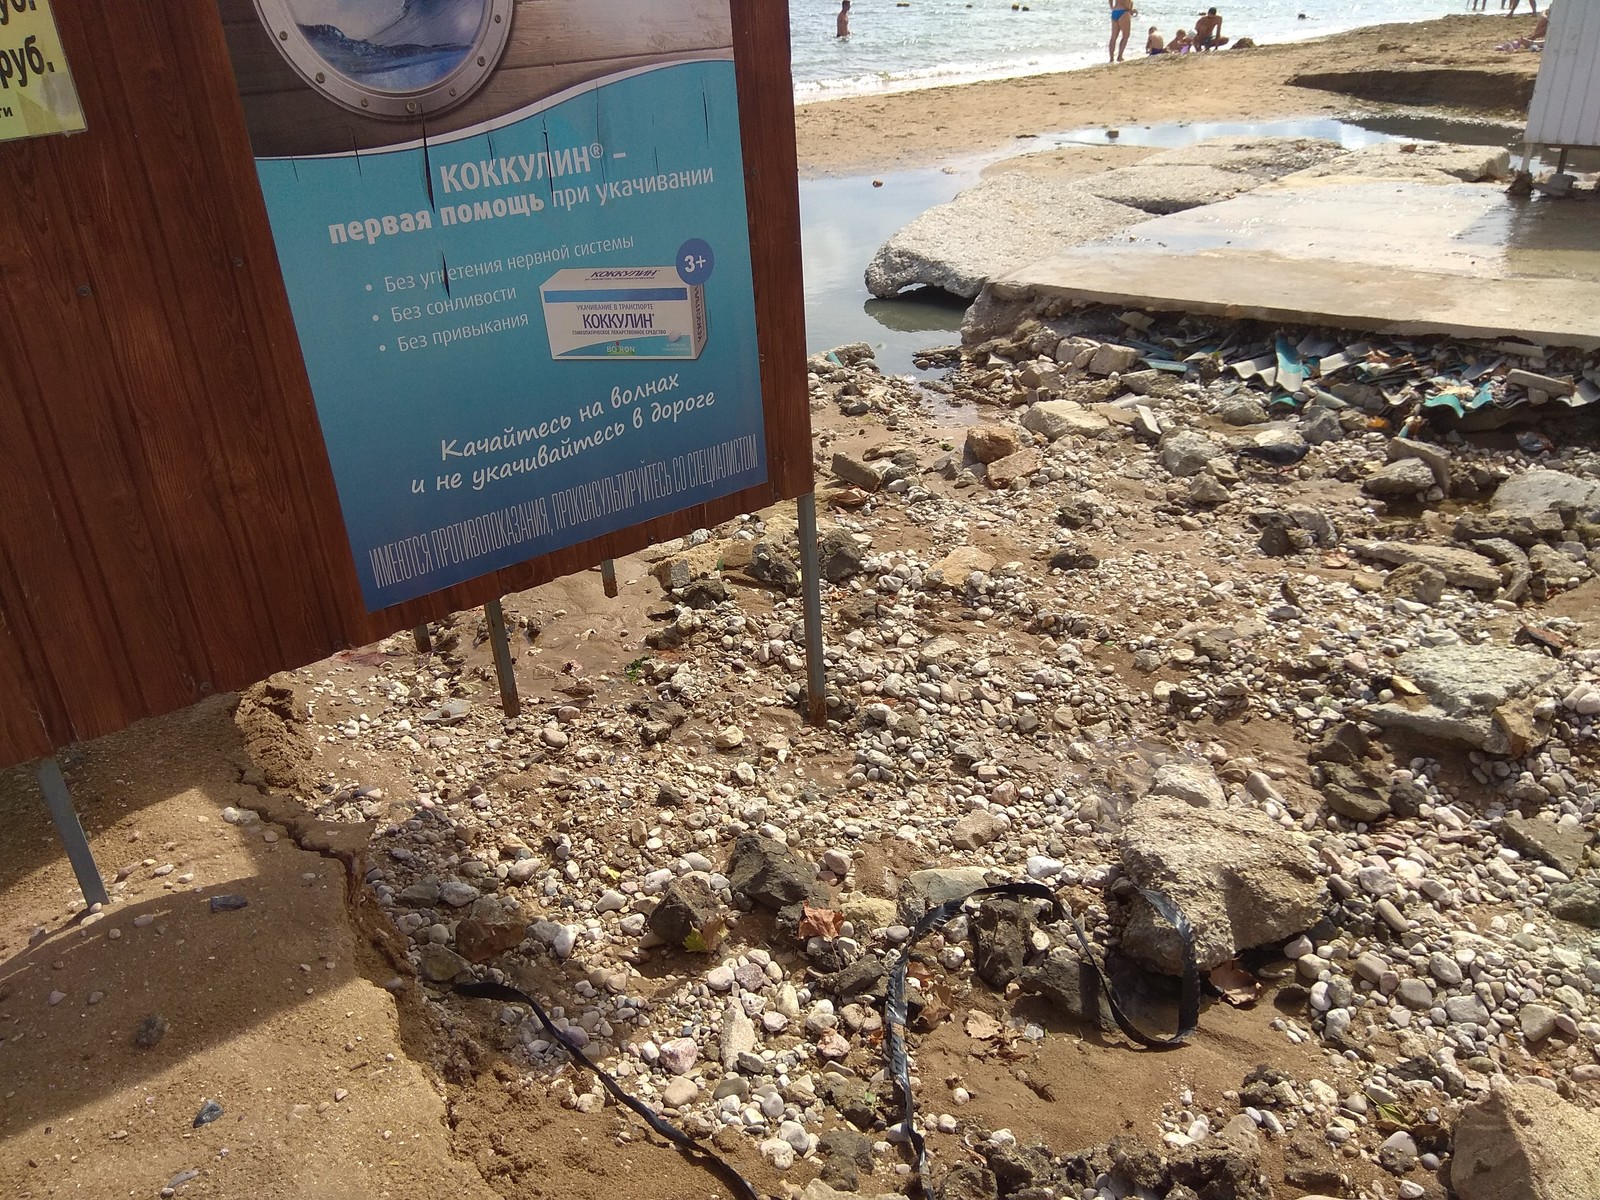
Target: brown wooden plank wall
{"points": [[168, 521]]}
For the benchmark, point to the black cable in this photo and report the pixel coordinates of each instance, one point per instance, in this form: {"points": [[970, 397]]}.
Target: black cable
{"points": [[701, 1155], [894, 1040]]}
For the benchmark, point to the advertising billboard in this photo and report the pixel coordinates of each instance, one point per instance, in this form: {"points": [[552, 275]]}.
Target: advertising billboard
{"points": [[514, 239]]}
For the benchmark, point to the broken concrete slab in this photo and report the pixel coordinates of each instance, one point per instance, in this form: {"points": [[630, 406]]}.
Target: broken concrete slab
{"points": [[1475, 680], [1462, 567], [1002, 224], [1525, 1142], [1055, 419], [1240, 879], [1413, 161], [1306, 251], [1536, 492]]}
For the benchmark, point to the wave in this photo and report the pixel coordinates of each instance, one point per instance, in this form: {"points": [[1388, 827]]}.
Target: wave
{"points": [[391, 65]]}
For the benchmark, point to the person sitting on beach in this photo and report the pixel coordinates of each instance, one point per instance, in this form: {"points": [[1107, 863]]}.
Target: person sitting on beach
{"points": [[1121, 27], [1208, 31], [842, 25], [1155, 43], [1181, 43]]}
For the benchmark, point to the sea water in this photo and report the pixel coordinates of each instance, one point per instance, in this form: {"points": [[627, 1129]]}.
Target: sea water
{"points": [[933, 42]]}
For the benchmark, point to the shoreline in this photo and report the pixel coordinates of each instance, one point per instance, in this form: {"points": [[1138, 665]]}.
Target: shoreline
{"points": [[821, 91], [885, 132]]}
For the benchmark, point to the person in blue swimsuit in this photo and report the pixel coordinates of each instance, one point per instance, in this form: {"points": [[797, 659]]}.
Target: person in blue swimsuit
{"points": [[1121, 26]]}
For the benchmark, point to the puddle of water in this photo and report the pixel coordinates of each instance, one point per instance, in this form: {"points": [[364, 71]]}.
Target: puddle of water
{"points": [[845, 220]]}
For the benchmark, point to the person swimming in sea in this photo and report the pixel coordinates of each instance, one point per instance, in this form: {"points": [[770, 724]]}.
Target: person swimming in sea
{"points": [[1121, 27], [842, 25]]}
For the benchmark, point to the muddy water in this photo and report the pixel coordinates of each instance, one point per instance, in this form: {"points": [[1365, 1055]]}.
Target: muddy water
{"points": [[845, 220]]}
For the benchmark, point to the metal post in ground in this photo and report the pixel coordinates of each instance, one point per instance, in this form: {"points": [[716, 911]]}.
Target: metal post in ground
{"points": [[424, 639], [811, 586], [59, 800], [608, 576], [496, 620]]}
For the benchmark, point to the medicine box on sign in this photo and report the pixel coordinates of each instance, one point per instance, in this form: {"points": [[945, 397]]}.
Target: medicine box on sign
{"points": [[623, 312]]}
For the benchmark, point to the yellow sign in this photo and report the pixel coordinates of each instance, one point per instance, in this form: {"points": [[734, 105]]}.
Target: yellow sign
{"points": [[36, 92]]}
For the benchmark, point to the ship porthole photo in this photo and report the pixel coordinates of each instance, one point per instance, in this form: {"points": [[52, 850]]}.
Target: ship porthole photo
{"points": [[392, 59]]}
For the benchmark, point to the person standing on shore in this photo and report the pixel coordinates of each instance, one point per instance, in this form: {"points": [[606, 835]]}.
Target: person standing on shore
{"points": [[842, 25], [1532, 4], [1121, 27]]}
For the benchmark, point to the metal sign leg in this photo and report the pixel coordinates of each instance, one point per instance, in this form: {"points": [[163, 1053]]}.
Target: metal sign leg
{"points": [[59, 801], [424, 639], [608, 577], [811, 585], [509, 701]]}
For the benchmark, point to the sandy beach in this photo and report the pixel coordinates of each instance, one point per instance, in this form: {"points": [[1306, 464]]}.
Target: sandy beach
{"points": [[1449, 64]]}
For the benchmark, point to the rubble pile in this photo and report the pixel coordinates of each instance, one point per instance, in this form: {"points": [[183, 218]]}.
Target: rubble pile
{"points": [[1277, 634]]}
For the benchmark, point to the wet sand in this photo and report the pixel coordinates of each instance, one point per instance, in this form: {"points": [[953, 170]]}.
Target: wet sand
{"points": [[1431, 64]]}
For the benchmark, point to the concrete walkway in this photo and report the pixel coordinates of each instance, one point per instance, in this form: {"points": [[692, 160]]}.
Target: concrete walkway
{"points": [[1459, 259]]}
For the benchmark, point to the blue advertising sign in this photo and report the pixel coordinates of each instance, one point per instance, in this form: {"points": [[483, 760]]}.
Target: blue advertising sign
{"points": [[529, 321]]}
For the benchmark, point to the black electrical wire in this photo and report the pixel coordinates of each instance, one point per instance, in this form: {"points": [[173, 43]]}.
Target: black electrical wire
{"points": [[700, 1154], [894, 1040]]}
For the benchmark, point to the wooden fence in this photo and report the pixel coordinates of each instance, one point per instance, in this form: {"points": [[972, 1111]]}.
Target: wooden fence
{"points": [[168, 521]]}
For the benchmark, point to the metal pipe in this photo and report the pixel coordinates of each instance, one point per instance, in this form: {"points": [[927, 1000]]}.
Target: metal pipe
{"points": [[811, 586], [608, 576], [59, 800], [496, 620], [424, 639]]}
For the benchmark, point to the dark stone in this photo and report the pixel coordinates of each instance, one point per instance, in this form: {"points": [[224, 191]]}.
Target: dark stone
{"points": [[1257, 1089], [1076, 513], [151, 1030], [688, 916], [1136, 1164], [1221, 1169], [1019, 1167], [1578, 902], [704, 593], [478, 941], [969, 1182], [848, 1145], [768, 873], [229, 903], [1073, 560], [838, 556], [867, 976], [1406, 798], [668, 796], [1000, 941], [1344, 743], [1067, 981], [769, 565], [854, 1098], [1353, 793]]}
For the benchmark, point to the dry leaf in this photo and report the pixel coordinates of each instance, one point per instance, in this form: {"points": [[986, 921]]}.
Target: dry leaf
{"points": [[849, 498], [982, 1026], [820, 922], [1335, 561], [1238, 987]]}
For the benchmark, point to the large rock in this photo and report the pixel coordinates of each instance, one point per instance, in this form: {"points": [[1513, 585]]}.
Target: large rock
{"points": [[1001, 225], [689, 916], [1525, 1143], [1475, 680], [1425, 162], [1469, 690], [1401, 479], [770, 874], [1055, 419], [1239, 878], [1192, 782], [1535, 492], [990, 443], [1187, 452], [1459, 566]]}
